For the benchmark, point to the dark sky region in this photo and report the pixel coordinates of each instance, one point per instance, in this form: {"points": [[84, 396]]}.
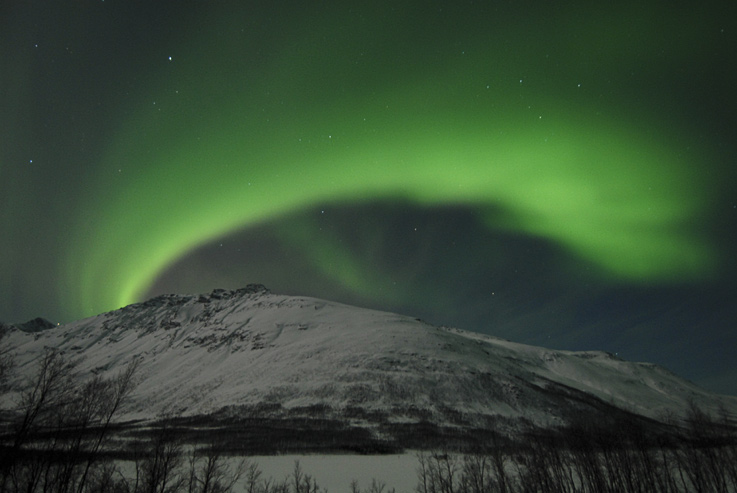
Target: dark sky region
{"points": [[555, 173]]}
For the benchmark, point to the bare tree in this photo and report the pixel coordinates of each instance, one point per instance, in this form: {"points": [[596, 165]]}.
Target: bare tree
{"points": [[6, 367], [62, 423], [439, 472], [6, 359], [301, 482], [252, 477], [104, 399], [47, 393], [158, 467], [210, 473]]}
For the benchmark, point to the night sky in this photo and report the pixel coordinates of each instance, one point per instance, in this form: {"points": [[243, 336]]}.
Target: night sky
{"points": [[555, 173]]}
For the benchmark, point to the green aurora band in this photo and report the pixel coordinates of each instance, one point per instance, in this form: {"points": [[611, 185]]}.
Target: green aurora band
{"points": [[225, 137]]}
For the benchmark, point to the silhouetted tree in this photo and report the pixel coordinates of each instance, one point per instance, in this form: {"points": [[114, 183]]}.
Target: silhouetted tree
{"points": [[61, 426], [210, 473], [6, 359]]}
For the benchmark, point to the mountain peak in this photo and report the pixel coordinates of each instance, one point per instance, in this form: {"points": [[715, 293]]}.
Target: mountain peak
{"points": [[233, 353]]}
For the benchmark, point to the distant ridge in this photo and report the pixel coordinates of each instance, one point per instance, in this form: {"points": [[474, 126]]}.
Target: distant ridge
{"points": [[36, 325]]}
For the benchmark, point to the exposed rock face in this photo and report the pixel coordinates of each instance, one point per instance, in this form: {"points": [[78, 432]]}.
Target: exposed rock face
{"points": [[36, 325]]}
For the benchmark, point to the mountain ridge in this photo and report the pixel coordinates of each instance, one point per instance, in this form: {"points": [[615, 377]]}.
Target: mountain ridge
{"points": [[253, 353]]}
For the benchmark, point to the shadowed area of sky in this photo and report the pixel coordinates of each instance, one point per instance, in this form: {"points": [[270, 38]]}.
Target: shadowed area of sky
{"points": [[560, 175]]}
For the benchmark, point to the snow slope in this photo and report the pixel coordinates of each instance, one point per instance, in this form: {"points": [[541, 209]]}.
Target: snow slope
{"points": [[234, 350]]}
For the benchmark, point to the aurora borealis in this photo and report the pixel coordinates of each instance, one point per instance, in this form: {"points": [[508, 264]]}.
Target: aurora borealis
{"points": [[560, 175]]}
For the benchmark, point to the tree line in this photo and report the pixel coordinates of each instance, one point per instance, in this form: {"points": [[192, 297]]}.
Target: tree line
{"points": [[697, 454]]}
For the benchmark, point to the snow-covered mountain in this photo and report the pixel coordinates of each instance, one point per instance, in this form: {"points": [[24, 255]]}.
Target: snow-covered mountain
{"points": [[249, 351]]}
